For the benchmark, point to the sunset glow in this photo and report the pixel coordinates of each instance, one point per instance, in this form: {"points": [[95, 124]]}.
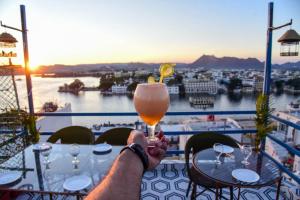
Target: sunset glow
{"points": [[33, 66], [72, 32]]}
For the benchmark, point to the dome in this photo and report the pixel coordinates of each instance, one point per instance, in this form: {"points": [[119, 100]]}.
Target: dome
{"points": [[7, 38], [289, 37]]}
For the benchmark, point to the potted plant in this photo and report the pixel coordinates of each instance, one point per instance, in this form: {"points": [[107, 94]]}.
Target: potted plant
{"points": [[262, 120], [29, 121], [16, 118]]}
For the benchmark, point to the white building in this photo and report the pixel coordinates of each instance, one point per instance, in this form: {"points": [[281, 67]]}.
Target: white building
{"points": [[141, 72], [217, 75], [247, 88], [248, 82], [119, 89], [118, 74], [258, 83], [173, 89], [190, 75], [194, 86], [288, 135]]}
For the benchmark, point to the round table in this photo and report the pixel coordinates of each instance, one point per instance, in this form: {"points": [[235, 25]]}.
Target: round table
{"points": [[204, 163]]}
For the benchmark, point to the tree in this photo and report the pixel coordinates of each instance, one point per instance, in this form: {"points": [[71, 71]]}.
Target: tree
{"points": [[119, 80], [234, 83], [132, 87], [294, 83], [181, 90], [106, 82], [171, 82], [263, 119], [76, 84], [178, 78], [105, 85], [279, 85]]}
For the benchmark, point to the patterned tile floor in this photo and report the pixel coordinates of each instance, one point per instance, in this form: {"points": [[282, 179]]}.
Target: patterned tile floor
{"points": [[169, 182]]}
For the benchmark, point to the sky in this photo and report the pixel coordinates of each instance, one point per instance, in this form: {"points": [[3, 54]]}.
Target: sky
{"points": [[111, 31]]}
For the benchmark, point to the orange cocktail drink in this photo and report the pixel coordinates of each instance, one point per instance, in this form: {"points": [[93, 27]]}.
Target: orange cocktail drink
{"points": [[151, 101]]}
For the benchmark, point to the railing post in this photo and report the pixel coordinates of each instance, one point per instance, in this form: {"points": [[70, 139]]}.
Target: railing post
{"points": [[26, 59]]}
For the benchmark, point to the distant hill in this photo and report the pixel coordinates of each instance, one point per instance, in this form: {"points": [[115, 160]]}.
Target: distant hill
{"points": [[210, 61], [59, 68], [288, 65], [205, 61]]}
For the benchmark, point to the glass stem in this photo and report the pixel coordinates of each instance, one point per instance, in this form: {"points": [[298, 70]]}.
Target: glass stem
{"points": [[151, 132], [218, 158]]}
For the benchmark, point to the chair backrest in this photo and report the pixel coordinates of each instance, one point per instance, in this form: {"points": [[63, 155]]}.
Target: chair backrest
{"points": [[73, 134], [203, 141], [114, 136]]}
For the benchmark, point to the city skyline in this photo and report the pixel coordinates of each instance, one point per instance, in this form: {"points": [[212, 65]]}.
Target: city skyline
{"points": [[73, 32]]}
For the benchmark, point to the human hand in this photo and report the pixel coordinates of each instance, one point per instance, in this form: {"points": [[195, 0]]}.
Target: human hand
{"points": [[155, 150]]}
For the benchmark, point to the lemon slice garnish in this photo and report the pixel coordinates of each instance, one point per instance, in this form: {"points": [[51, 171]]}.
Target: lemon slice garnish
{"points": [[166, 70], [151, 79]]}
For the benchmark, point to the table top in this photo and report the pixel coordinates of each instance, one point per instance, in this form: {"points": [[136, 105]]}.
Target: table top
{"points": [[37, 178], [221, 173]]}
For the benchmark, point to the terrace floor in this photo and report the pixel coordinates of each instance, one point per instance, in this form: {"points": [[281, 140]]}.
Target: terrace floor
{"points": [[170, 181]]}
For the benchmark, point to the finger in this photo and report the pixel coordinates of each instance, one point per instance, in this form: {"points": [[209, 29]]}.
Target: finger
{"points": [[153, 162], [157, 153], [165, 140], [161, 153], [158, 144], [153, 152], [160, 134], [164, 146], [151, 143]]}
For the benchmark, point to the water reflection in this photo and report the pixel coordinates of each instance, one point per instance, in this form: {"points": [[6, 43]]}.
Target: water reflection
{"points": [[235, 97], [45, 89]]}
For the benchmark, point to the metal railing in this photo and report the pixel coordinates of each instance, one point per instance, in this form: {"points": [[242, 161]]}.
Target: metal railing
{"points": [[118, 114], [290, 149]]}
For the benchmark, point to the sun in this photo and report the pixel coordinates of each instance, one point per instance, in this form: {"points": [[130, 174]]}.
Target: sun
{"points": [[34, 64], [33, 67]]}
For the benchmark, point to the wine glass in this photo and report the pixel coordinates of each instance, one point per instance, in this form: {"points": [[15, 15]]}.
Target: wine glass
{"points": [[74, 151], [247, 151], [45, 149], [218, 148], [151, 101]]}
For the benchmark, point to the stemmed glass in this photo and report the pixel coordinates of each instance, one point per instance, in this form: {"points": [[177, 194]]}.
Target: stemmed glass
{"points": [[45, 149], [151, 101], [74, 151], [246, 151], [218, 148]]}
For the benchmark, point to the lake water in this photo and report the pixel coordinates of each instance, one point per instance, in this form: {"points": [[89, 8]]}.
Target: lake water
{"points": [[46, 89]]}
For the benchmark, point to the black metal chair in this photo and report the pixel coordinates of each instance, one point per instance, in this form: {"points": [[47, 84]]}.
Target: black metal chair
{"points": [[198, 143], [114, 136], [73, 134]]}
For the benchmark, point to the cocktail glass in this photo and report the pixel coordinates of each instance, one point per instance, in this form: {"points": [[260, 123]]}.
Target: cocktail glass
{"points": [[218, 148], [246, 151], [45, 150], [151, 101], [74, 151]]}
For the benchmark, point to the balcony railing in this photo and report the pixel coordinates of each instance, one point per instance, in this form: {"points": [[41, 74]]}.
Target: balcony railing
{"points": [[290, 149]]}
